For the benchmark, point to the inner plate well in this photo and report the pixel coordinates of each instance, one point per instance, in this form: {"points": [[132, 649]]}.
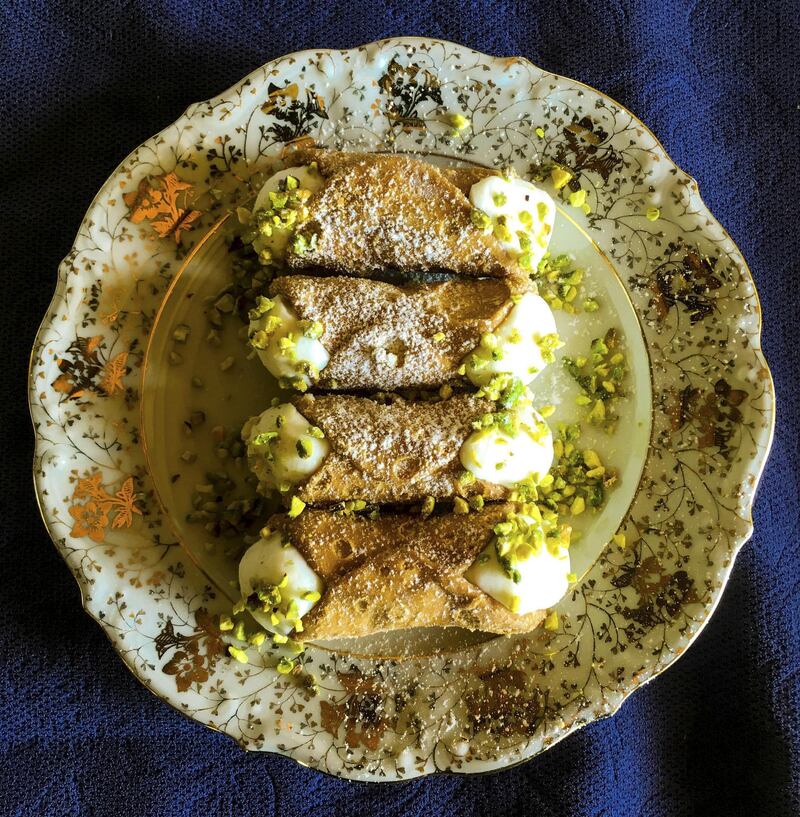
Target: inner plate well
{"points": [[180, 460]]}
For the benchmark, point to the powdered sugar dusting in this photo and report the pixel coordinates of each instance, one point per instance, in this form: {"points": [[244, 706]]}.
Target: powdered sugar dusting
{"points": [[387, 336], [397, 572], [392, 453], [381, 211]]}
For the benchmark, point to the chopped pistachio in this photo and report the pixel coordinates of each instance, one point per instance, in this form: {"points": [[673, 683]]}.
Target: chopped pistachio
{"points": [[619, 540], [225, 303], [428, 506], [560, 176], [653, 214], [285, 666], [476, 502], [312, 329], [539, 132], [296, 507], [303, 448], [551, 622], [466, 478], [460, 506], [604, 368], [239, 655], [225, 623], [480, 219], [312, 596], [438, 337], [458, 121], [257, 638], [577, 198], [181, 333]]}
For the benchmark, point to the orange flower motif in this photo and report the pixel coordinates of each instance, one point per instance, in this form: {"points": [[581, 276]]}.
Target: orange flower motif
{"points": [[163, 201], [362, 713], [188, 667], [92, 517], [91, 520], [279, 97], [113, 372]]}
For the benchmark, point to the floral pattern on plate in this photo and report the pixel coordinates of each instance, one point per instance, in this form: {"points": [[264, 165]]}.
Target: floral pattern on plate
{"points": [[498, 702]]}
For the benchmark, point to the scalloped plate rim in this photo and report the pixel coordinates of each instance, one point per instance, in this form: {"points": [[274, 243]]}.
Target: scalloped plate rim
{"points": [[758, 461]]}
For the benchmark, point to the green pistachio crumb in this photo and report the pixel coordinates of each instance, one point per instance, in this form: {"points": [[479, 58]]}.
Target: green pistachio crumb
{"points": [[458, 121], [285, 666], [476, 502], [560, 176], [577, 198], [480, 219], [181, 333], [239, 655], [466, 478], [296, 507]]}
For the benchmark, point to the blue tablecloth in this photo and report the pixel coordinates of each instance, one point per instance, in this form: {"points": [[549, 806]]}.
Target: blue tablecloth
{"points": [[82, 84]]}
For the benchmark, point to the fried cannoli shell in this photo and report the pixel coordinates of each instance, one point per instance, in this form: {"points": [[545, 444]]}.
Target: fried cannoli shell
{"points": [[384, 336], [390, 211], [398, 571], [395, 452]]}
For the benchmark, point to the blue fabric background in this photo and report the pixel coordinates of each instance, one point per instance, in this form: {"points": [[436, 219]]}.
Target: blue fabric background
{"points": [[85, 82]]}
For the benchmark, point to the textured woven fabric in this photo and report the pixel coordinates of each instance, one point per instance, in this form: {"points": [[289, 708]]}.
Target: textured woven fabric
{"points": [[82, 84]]}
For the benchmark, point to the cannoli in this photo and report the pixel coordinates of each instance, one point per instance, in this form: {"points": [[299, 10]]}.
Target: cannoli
{"points": [[325, 575], [339, 333], [358, 213], [322, 450]]}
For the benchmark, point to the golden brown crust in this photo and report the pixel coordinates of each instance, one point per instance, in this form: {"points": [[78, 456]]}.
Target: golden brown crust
{"points": [[383, 336], [399, 452], [398, 571], [389, 211], [464, 177]]}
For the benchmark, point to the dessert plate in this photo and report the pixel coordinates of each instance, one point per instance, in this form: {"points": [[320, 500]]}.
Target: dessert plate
{"points": [[122, 367]]}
